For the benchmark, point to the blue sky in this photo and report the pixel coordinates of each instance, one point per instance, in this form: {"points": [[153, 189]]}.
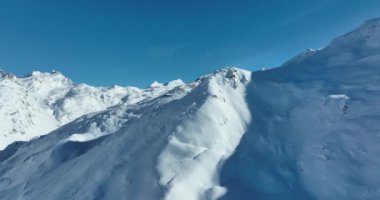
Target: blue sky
{"points": [[106, 42]]}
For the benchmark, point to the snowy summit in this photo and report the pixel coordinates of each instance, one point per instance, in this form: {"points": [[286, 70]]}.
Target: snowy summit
{"points": [[306, 130]]}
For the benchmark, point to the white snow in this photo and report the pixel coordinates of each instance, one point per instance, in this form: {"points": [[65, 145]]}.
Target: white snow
{"points": [[189, 163], [339, 96], [156, 84], [39, 103], [93, 133], [306, 130]]}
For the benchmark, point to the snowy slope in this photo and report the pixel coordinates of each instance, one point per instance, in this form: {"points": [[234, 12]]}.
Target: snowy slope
{"points": [[39, 103], [306, 130], [150, 143], [315, 128]]}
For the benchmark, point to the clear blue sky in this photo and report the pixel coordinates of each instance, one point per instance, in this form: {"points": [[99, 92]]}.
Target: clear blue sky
{"points": [[106, 42]]}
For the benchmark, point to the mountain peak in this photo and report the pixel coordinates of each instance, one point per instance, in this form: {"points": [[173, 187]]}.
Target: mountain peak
{"points": [[374, 20], [39, 73], [231, 72], [301, 56], [371, 28], [228, 71], [362, 42], [5, 74], [49, 76], [367, 35], [155, 84], [174, 83]]}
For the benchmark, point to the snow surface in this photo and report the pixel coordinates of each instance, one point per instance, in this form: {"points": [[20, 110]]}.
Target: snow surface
{"points": [[315, 126], [306, 130], [39, 103]]}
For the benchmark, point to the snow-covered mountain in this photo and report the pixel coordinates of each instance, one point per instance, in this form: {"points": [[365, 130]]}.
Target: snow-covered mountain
{"points": [[306, 130], [39, 103]]}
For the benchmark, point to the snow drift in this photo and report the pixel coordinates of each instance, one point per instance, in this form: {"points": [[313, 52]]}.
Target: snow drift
{"points": [[306, 130]]}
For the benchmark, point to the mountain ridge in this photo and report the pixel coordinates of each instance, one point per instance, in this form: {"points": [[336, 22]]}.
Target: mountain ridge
{"points": [[35, 104], [306, 130]]}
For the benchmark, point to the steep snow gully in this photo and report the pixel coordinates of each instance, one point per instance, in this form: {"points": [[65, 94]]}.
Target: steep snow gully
{"points": [[306, 130]]}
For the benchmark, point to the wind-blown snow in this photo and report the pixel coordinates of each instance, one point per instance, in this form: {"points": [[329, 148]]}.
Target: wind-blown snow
{"points": [[306, 130]]}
